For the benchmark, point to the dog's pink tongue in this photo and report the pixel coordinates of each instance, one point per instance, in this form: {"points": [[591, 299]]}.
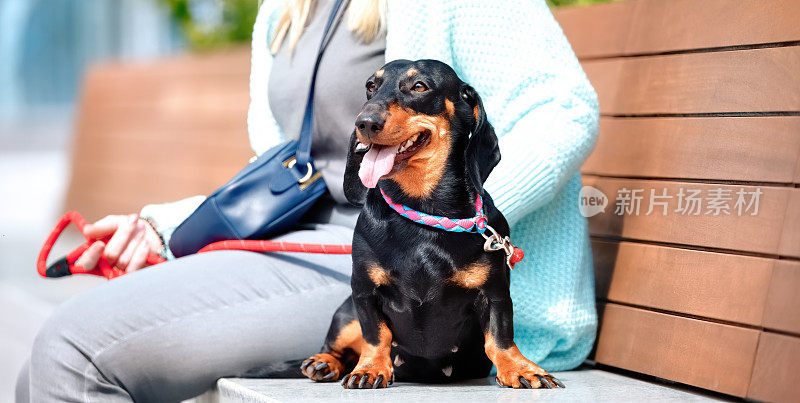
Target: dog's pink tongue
{"points": [[378, 161]]}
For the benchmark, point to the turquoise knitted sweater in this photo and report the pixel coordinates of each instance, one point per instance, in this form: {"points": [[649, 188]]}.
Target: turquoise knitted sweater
{"points": [[545, 113]]}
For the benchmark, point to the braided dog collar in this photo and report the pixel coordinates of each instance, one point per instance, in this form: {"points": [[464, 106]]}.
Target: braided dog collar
{"points": [[474, 224]]}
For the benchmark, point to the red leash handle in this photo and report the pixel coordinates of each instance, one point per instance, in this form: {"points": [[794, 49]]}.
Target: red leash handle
{"points": [[66, 265]]}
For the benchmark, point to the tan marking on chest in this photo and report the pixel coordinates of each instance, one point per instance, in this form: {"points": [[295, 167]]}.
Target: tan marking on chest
{"points": [[473, 275], [378, 275]]}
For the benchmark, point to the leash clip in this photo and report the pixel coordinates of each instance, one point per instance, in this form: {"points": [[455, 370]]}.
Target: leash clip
{"points": [[496, 242], [493, 242]]}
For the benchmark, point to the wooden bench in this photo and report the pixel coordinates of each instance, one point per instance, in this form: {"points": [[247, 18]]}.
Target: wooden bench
{"points": [[706, 96], [694, 95], [159, 131]]}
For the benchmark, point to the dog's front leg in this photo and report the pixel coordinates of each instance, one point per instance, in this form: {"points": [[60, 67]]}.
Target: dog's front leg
{"points": [[513, 369], [374, 369]]}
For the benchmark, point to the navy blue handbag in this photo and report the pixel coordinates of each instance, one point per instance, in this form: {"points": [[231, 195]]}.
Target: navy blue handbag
{"points": [[269, 195]]}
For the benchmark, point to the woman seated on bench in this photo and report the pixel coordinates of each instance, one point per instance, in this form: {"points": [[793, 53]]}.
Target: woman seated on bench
{"points": [[169, 333]]}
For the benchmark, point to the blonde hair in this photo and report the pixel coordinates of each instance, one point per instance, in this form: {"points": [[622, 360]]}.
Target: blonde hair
{"points": [[365, 18]]}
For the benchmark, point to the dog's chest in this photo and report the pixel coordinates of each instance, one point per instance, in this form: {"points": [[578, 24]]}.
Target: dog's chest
{"points": [[426, 302], [429, 283], [426, 273], [427, 317]]}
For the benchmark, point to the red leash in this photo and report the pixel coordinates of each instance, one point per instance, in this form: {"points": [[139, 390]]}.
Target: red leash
{"points": [[66, 265]]}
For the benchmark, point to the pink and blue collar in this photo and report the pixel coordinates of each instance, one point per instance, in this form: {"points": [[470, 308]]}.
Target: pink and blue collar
{"points": [[474, 224]]}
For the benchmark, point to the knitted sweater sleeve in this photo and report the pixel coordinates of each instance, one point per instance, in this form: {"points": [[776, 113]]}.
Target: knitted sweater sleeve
{"points": [[535, 93], [261, 125]]}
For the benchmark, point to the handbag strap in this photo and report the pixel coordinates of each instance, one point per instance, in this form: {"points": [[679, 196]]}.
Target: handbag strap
{"points": [[303, 155]]}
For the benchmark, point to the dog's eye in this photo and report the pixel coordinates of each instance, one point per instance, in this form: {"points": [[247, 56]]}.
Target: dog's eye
{"points": [[420, 87], [370, 86]]}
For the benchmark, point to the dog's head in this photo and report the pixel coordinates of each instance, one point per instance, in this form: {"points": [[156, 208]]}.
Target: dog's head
{"points": [[419, 120]]}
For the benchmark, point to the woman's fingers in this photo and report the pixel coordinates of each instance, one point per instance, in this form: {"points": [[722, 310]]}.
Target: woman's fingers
{"points": [[89, 258], [116, 245], [104, 227], [136, 239], [131, 241], [152, 238], [139, 258]]}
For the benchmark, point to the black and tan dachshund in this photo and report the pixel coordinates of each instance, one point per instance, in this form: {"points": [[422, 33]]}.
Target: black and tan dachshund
{"points": [[428, 305]]}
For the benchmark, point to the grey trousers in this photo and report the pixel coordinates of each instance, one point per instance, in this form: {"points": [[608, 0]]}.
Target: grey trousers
{"points": [[167, 333]]}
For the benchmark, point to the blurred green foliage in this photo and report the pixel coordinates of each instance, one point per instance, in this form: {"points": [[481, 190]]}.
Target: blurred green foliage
{"points": [[210, 24], [559, 3]]}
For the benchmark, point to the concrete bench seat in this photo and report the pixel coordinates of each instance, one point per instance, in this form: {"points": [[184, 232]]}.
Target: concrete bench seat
{"points": [[581, 386]]}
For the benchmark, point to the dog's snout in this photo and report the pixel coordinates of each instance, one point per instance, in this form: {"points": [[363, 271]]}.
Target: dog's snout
{"points": [[370, 124]]}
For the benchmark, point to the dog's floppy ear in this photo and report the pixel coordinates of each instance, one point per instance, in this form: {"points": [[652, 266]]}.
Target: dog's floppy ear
{"points": [[483, 151], [354, 190]]}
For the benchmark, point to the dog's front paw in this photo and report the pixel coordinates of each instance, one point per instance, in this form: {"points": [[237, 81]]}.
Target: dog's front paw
{"points": [[516, 371], [528, 380], [521, 373], [369, 376], [322, 368]]}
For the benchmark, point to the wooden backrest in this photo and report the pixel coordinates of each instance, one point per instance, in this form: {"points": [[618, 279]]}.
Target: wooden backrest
{"points": [[160, 131], [697, 96]]}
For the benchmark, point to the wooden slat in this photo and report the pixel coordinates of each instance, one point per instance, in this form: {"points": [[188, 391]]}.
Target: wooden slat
{"points": [[760, 80], [213, 174], [762, 233], [776, 368], [216, 93], [598, 30], [764, 149], [790, 238], [652, 26], [782, 311], [126, 188], [126, 147], [709, 355], [159, 131], [662, 26], [716, 285], [200, 124], [797, 171], [234, 61]]}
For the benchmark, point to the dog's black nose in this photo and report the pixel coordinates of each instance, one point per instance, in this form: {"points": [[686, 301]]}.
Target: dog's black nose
{"points": [[369, 124]]}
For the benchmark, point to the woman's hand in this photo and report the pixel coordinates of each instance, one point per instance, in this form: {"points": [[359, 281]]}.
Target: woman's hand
{"points": [[132, 240]]}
